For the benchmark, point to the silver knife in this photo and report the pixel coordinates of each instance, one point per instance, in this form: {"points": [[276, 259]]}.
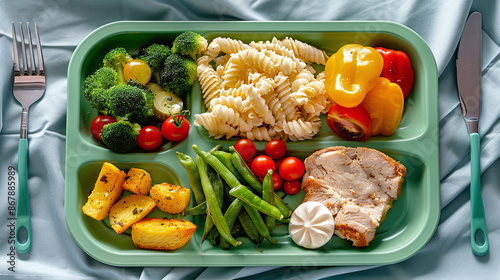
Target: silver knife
{"points": [[469, 90]]}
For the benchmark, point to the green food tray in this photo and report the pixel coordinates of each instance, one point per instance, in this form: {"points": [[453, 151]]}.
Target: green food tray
{"points": [[409, 225]]}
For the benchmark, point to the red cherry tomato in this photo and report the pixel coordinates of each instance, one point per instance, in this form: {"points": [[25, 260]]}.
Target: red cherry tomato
{"points": [[98, 123], [261, 164], [277, 181], [149, 138], [291, 187], [291, 168], [350, 123], [175, 129], [278, 163], [246, 148], [275, 149]]}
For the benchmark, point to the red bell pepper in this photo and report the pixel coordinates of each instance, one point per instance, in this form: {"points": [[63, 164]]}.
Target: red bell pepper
{"points": [[397, 68]]}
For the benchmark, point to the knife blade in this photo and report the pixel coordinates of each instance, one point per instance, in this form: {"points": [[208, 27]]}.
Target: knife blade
{"points": [[469, 90]]}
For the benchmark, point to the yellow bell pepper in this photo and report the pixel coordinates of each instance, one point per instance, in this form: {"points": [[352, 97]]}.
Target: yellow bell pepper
{"points": [[384, 103], [351, 72]]}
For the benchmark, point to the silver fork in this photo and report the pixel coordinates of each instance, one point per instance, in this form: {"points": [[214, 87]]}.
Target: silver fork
{"points": [[29, 86]]}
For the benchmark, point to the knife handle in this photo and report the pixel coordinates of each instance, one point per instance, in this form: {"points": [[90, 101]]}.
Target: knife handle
{"points": [[479, 235], [23, 219]]}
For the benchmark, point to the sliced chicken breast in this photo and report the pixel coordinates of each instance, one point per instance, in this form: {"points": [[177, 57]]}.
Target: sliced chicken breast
{"points": [[358, 185]]}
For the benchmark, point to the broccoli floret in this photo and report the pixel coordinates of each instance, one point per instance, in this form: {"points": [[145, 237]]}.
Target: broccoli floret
{"points": [[189, 43], [178, 74], [95, 87], [124, 100], [121, 136], [154, 55], [115, 59], [146, 113], [138, 85]]}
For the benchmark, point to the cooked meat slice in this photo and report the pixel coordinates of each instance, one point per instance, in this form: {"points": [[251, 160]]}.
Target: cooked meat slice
{"points": [[358, 185], [354, 224], [320, 191]]}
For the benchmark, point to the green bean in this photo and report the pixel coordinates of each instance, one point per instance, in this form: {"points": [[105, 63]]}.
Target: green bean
{"points": [[225, 158], [284, 221], [193, 175], [268, 196], [236, 231], [253, 181], [231, 214], [214, 237], [256, 202], [245, 172], [230, 179], [249, 227], [285, 210], [215, 148], [219, 193], [213, 208], [199, 209], [227, 197], [209, 222], [217, 185], [259, 223]]}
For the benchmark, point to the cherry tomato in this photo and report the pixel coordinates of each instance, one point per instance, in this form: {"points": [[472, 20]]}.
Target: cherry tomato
{"points": [[175, 129], [149, 138], [350, 123], [278, 163], [277, 181], [261, 164], [98, 123], [291, 187], [275, 149], [137, 70], [246, 148], [291, 168]]}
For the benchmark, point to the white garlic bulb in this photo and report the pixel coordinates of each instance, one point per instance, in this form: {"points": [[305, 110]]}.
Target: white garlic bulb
{"points": [[311, 225]]}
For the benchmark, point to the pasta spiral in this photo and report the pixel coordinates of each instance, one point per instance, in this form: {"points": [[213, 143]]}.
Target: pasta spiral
{"points": [[261, 91], [305, 51], [210, 82]]}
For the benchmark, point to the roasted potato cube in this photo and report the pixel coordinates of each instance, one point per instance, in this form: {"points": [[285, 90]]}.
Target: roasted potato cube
{"points": [[129, 210], [137, 181], [106, 192], [170, 198], [162, 234]]}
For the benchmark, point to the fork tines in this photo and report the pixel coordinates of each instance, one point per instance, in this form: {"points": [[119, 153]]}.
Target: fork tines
{"points": [[27, 68]]}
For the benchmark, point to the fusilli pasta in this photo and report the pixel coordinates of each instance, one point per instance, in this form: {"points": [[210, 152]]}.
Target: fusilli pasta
{"points": [[263, 90]]}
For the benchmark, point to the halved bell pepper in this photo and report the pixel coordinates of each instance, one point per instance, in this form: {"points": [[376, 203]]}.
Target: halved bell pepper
{"points": [[397, 68], [351, 72], [384, 103]]}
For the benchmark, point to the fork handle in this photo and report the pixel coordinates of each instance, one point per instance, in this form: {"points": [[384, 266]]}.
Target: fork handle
{"points": [[23, 220]]}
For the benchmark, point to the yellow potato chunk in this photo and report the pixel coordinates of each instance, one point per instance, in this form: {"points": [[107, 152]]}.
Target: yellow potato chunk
{"points": [[129, 210], [137, 181], [106, 192], [170, 198], [162, 234]]}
